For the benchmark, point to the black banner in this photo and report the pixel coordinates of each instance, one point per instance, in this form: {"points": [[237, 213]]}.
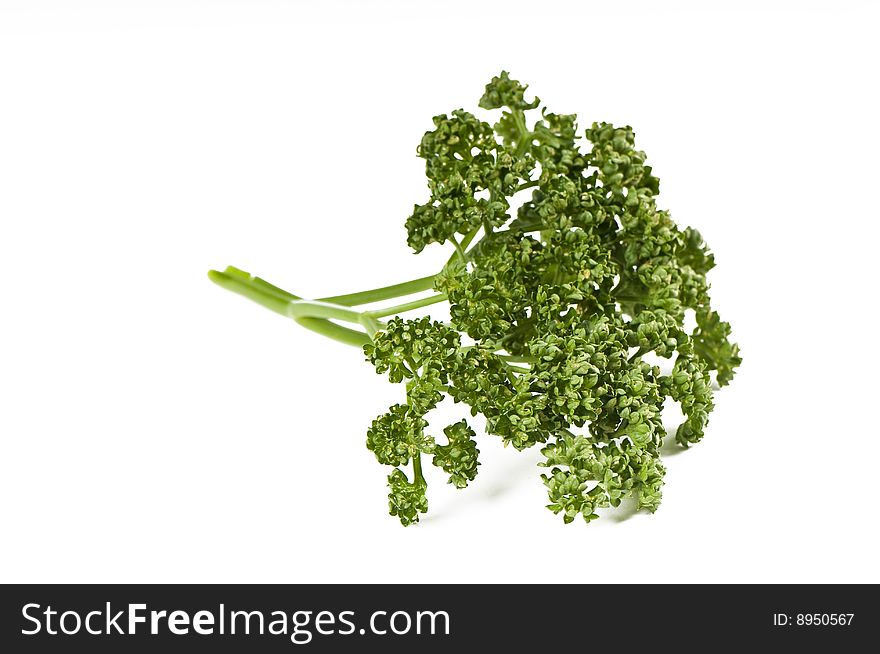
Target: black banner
{"points": [[319, 618]]}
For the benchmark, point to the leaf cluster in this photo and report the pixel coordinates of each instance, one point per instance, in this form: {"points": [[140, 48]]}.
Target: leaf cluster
{"points": [[556, 309]]}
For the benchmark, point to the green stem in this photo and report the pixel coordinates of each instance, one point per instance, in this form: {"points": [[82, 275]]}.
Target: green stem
{"points": [[418, 478], [317, 315], [530, 184], [404, 288], [512, 358], [383, 293], [406, 306], [298, 309], [469, 237], [463, 244], [259, 285], [318, 309], [459, 249], [640, 352], [279, 301], [525, 136]]}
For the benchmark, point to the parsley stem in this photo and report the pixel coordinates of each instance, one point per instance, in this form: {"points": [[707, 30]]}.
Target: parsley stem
{"points": [[525, 136], [261, 285], [517, 359], [273, 298], [297, 309], [317, 315], [418, 478], [382, 293], [459, 249], [318, 309], [469, 237], [465, 242], [406, 306]]}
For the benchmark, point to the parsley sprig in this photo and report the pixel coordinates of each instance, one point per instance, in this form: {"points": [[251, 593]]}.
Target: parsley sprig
{"points": [[554, 308]]}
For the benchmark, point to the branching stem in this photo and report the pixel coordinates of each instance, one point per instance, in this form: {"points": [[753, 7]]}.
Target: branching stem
{"points": [[319, 315]]}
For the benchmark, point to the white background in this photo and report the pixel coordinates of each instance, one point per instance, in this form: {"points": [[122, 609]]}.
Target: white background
{"points": [[157, 428]]}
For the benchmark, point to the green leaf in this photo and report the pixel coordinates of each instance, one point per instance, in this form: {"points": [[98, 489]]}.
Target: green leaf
{"points": [[406, 500], [395, 437], [458, 457]]}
